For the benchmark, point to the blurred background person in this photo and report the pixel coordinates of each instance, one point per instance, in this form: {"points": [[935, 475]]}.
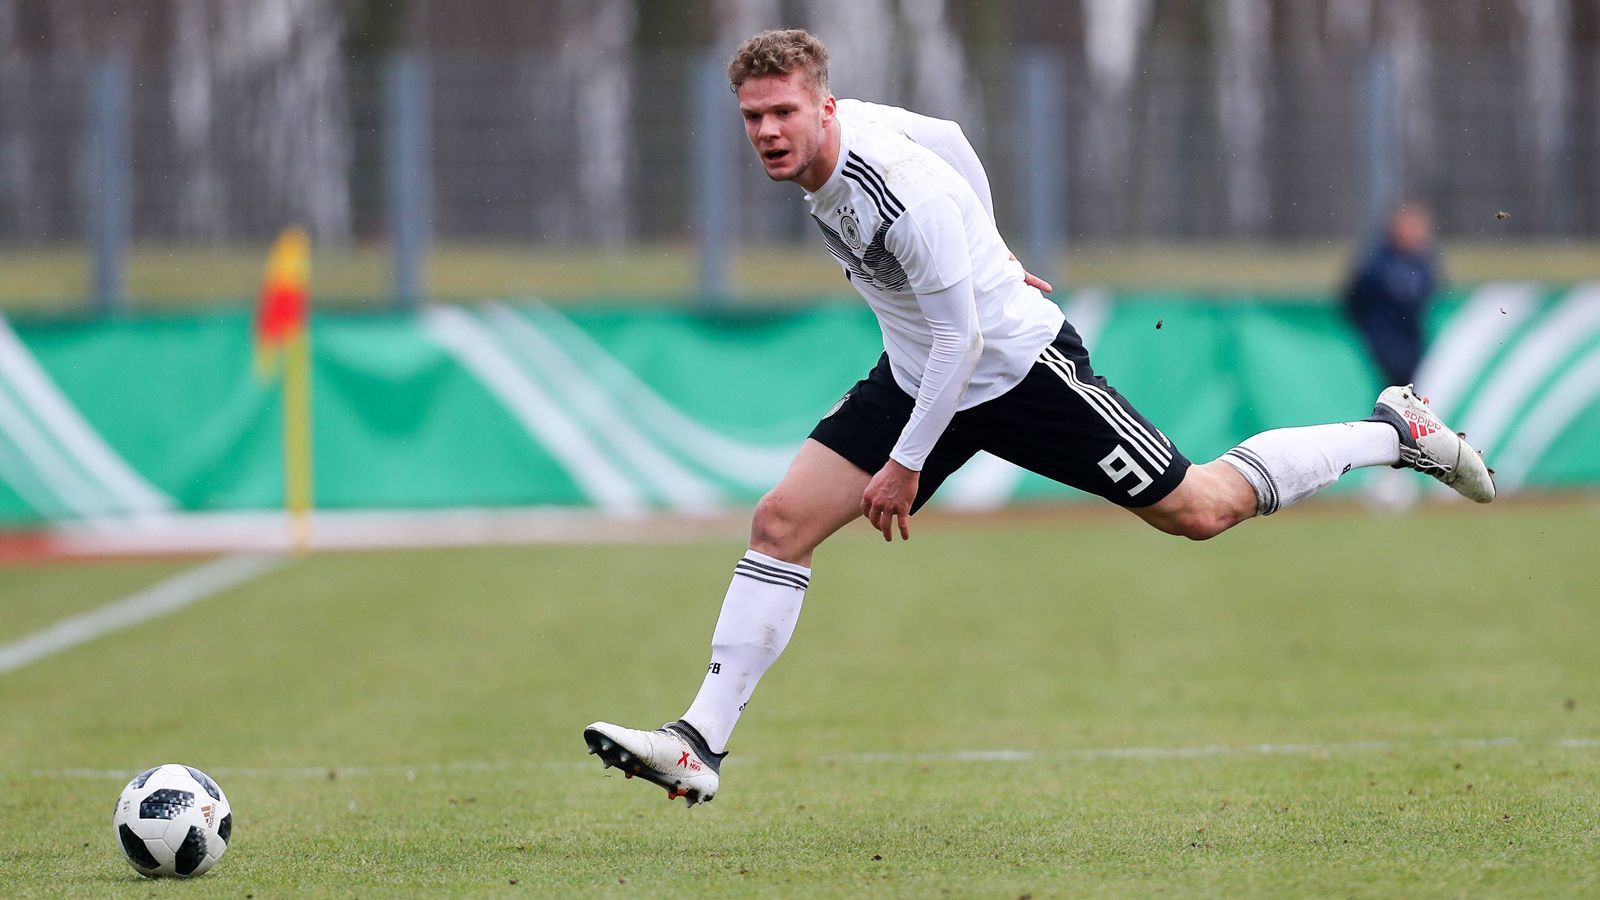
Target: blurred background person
{"points": [[1388, 295], [1387, 300]]}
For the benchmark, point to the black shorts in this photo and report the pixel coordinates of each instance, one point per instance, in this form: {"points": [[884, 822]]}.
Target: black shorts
{"points": [[1062, 421]]}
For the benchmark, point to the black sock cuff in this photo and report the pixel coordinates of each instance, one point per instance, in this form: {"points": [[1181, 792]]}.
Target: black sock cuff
{"points": [[698, 742], [1385, 415]]}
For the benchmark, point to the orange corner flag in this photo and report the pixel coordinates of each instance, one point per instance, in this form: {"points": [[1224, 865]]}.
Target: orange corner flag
{"points": [[283, 339]]}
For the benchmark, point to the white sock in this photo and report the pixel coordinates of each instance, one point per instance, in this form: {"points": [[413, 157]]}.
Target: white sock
{"points": [[1287, 465], [758, 616]]}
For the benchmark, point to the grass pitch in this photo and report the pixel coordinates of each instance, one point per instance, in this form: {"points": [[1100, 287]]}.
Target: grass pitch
{"points": [[56, 279], [1058, 704]]}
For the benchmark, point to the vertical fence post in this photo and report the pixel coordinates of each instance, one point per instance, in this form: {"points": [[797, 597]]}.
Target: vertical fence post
{"points": [[716, 191], [1382, 142], [408, 117], [1042, 139], [109, 219]]}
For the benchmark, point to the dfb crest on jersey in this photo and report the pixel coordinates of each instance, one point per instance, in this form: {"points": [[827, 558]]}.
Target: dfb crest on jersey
{"points": [[849, 228]]}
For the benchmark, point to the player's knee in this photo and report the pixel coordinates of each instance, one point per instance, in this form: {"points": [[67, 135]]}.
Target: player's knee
{"points": [[1194, 524], [775, 528], [1203, 526], [1202, 507]]}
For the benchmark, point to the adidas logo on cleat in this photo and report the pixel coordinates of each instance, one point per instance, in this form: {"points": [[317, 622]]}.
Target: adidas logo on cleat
{"points": [[1421, 426]]}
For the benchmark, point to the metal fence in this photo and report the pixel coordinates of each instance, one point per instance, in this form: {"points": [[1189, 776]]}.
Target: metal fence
{"points": [[528, 150]]}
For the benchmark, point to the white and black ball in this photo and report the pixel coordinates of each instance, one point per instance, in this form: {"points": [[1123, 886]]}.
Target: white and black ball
{"points": [[172, 821]]}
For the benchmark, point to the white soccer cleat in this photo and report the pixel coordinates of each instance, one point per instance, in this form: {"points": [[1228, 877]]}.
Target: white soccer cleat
{"points": [[674, 756], [1430, 447]]}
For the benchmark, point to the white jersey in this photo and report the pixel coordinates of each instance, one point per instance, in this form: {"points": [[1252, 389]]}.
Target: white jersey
{"points": [[906, 212]]}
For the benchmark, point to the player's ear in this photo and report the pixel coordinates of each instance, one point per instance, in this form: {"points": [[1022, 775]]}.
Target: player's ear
{"points": [[830, 108]]}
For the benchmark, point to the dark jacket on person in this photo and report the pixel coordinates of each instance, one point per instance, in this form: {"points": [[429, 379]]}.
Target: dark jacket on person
{"points": [[1387, 300]]}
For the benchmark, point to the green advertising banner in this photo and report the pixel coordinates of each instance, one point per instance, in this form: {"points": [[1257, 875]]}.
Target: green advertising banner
{"points": [[629, 411]]}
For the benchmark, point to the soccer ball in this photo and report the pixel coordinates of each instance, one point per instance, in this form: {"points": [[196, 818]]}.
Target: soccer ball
{"points": [[172, 821]]}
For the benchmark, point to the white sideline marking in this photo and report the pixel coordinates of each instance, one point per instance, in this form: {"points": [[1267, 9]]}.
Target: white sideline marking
{"points": [[957, 756], [356, 529], [167, 597]]}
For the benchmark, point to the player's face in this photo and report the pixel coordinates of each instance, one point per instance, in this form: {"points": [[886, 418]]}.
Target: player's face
{"points": [[786, 121]]}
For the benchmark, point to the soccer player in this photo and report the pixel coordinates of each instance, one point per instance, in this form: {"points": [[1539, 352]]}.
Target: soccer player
{"points": [[975, 358]]}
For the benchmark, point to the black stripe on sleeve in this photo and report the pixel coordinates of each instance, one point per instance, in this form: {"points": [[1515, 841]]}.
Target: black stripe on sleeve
{"points": [[894, 202], [870, 191]]}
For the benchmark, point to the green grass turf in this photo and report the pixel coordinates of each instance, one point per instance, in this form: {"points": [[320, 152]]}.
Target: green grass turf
{"points": [[396, 724], [35, 597], [45, 279]]}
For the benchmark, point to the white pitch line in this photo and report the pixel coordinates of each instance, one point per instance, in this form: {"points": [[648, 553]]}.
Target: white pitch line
{"points": [[1203, 751], [167, 597]]}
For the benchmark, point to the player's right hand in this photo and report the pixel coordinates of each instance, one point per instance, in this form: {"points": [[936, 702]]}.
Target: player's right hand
{"points": [[1032, 280], [888, 497]]}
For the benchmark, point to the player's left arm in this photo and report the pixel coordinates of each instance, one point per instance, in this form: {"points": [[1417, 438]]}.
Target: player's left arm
{"points": [[931, 243]]}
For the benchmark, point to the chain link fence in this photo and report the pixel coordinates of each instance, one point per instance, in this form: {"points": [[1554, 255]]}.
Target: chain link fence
{"points": [[516, 151]]}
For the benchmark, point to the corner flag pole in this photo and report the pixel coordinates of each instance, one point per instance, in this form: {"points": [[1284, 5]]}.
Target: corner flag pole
{"points": [[283, 337], [297, 472]]}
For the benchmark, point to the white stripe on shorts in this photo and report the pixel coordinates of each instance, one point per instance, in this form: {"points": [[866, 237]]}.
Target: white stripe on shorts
{"points": [[1142, 431], [1132, 430]]}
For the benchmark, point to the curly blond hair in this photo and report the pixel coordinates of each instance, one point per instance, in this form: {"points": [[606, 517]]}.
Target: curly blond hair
{"points": [[779, 52]]}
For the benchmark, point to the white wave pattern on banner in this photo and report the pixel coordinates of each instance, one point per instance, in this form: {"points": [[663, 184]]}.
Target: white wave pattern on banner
{"points": [[17, 474], [546, 424], [602, 411], [984, 483], [1576, 392], [1471, 337], [1516, 381], [1513, 417], [45, 465], [51, 456], [752, 465]]}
